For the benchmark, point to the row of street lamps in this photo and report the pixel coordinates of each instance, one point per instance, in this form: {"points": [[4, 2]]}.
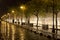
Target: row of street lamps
{"points": [[22, 7]]}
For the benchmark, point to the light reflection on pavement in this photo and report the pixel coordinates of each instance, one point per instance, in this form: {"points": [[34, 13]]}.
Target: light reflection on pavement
{"points": [[12, 32]]}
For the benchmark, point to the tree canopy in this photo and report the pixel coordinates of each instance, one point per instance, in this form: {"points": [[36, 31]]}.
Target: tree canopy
{"points": [[40, 5]]}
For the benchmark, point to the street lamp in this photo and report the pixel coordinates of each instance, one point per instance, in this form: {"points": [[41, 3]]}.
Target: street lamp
{"points": [[13, 11], [22, 8], [8, 16], [13, 16]]}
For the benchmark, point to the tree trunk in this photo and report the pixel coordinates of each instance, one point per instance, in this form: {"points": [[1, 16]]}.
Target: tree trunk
{"points": [[28, 19], [56, 24], [37, 21], [21, 20], [53, 30]]}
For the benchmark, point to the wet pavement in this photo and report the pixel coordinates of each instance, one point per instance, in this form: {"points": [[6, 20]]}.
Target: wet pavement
{"points": [[12, 32]]}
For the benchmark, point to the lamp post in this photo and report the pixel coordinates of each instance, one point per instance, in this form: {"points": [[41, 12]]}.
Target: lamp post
{"points": [[22, 15], [13, 16], [8, 16]]}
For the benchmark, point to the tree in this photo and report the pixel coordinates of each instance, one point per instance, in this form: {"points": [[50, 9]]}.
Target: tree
{"points": [[35, 6]]}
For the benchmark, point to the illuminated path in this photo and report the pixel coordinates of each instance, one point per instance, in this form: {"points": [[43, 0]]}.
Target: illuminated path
{"points": [[11, 31], [47, 21]]}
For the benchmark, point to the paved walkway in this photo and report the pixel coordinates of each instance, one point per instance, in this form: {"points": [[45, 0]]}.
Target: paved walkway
{"points": [[16, 32]]}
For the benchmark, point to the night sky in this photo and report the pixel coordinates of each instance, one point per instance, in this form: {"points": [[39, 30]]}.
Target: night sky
{"points": [[5, 4]]}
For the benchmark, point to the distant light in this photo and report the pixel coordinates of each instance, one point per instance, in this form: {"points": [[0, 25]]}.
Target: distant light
{"points": [[13, 11], [23, 7], [8, 14], [5, 15], [23, 20], [15, 20]]}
